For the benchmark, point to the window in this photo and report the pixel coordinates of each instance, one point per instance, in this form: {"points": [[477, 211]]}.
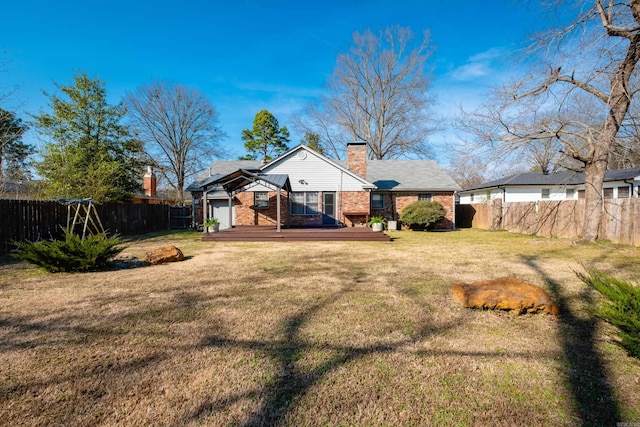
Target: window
{"points": [[570, 194], [623, 193], [545, 193], [261, 200], [427, 197], [607, 193], [472, 196], [377, 201], [304, 203]]}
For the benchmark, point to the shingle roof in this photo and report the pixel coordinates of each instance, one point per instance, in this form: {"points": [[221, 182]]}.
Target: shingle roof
{"points": [[409, 175], [387, 175], [557, 178], [220, 168]]}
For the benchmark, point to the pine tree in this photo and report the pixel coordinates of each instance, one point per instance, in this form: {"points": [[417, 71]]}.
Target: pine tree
{"points": [[90, 155], [14, 153], [266, 139]]}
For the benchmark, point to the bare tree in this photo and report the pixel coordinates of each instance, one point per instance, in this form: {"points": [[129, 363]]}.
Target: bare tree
{"points": [[379, 94], [534, 136], [593, 58], [178, 126]]}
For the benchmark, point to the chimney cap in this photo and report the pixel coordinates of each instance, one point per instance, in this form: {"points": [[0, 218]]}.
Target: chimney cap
{"points": [[357, 143]]}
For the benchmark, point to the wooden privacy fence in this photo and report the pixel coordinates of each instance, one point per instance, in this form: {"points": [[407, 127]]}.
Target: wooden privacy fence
{"points": [[22, 220], [620, 222]]}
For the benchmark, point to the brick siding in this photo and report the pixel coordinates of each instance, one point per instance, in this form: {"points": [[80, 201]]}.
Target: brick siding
{"points": [[354, 201], [357, 159], [394, 203], [246, 214]]}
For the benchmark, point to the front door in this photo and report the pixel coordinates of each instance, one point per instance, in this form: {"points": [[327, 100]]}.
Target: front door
{"points": [[329, 208]]}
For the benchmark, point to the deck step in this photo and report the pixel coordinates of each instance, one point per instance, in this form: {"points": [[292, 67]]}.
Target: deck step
{"points": [[269, 234]]}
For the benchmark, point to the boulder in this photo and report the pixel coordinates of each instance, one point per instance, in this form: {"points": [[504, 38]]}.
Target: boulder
{"points": [[504, 293], [164, 254]]}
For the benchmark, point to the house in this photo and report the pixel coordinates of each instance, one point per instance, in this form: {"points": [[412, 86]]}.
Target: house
{"points": [[534, 186], [303, 188], [150, 195]]}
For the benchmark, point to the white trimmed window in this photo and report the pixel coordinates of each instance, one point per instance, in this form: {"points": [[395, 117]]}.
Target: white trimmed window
{"points": [[607, 193], [377, 201], [623, 193], [426, 197], [545, 193], [570, 194], [261, 200], [304, 203]]}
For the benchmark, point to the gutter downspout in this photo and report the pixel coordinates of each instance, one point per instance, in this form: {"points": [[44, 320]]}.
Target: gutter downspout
{"points": [[453, 211], [630, 187]]}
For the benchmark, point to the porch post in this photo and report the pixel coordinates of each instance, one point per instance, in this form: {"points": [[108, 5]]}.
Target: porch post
{"points": [[278, 226], [230, 210], [205, 207]]}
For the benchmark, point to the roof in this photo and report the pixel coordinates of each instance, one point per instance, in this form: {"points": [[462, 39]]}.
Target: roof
{"points": [[219, 169], [385, 175], [409, 175], [556, 178], [239, 179]]}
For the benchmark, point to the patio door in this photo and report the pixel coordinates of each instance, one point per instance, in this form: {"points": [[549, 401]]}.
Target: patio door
{"points": [[328, 208]]}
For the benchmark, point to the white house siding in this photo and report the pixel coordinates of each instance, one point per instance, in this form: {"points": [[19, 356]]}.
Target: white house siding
{"points": [[312, 173], [534, 193]]}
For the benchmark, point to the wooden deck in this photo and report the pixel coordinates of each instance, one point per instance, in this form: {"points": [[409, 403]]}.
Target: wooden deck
{"points": [[270, 234]]}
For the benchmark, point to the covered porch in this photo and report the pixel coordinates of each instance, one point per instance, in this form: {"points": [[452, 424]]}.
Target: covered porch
{"points": [[241, 180], [261, 233]]}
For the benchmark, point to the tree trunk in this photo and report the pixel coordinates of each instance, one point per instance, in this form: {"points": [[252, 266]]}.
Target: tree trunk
{"points": [[619, 101], [594, 178]]}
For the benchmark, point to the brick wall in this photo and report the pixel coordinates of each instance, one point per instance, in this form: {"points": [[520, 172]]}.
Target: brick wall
{"points": [[197, 207], [246, 214], [354, 201], [394, 203]]}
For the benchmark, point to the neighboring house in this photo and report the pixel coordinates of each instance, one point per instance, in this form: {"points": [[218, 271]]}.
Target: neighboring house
{"points": [[533, 186], [314, 190], [151, 196]]}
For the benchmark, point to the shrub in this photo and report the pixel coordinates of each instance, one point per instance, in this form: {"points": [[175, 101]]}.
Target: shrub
{"points": [[621, 307], [71, 254], [422, 213]]}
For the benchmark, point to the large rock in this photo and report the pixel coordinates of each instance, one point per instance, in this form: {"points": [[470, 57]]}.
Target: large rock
{"points": [[504, 293], [164, 254]]}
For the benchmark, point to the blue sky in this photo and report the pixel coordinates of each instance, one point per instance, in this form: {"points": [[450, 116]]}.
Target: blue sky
{"points": [[247, 55]]}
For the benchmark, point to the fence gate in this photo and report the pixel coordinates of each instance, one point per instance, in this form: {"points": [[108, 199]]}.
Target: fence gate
{"points": [[180, 217]]}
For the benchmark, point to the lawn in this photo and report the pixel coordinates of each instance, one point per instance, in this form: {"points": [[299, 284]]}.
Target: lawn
{"points": [[315, 333]]}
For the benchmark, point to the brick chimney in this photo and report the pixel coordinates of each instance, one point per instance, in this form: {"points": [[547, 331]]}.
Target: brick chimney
{"points": [[357, 158], [149, 183]]}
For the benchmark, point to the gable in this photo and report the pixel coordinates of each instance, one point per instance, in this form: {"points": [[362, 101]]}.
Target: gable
{"points": [[311, 171]]}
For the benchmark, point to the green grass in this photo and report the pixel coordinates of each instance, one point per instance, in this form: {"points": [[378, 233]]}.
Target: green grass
{"points": [[314, 333]]}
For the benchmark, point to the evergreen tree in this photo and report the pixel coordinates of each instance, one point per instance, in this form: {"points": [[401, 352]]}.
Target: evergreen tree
{"points": [[90, 155], [312, 140], [266, 139], [14, 153]]}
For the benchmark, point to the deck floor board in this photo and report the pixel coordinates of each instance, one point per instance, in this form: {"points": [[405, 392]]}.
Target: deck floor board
{"points": [[270, 234]]}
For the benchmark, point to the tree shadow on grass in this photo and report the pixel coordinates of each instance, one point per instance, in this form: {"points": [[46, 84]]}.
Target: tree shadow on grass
{"points": [[292, 382], [585, 373]]}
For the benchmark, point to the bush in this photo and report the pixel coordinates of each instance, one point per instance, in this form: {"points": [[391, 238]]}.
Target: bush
{"points": [[621, 308], [71, 254], [422, 213]]}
